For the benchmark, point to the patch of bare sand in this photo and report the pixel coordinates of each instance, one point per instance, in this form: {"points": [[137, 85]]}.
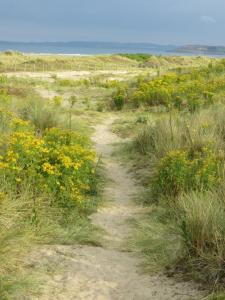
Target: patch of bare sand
{"points": [[75, 75]]}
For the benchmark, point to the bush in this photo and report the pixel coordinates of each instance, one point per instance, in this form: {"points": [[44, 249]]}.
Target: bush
{"points": [[181, 171], [189, 90], [57, 101], [140, 57], [42, 114], [66, 82], [60, 163], [119, 98]]}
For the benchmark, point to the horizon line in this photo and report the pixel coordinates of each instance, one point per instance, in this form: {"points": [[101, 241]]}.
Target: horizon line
{"points": [[111, 42]]}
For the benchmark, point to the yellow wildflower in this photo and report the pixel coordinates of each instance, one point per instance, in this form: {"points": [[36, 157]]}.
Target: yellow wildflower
{"points": [[48, 168]]}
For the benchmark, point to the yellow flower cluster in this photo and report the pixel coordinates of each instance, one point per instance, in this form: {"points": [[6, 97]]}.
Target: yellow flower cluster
{"points": [[59, 162], [182, 170], [19, 122], [48, 168], [181, 91], [66, 161]]}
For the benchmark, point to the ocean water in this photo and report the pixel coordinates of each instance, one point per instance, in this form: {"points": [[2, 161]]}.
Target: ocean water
{"points": [[88, 48]]}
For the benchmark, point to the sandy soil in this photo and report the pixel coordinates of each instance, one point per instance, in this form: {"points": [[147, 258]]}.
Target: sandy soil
{"points": [[108, 272], [75, 75]]}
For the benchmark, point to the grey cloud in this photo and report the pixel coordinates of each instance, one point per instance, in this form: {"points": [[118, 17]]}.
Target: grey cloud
{"points": [[159, 21]]}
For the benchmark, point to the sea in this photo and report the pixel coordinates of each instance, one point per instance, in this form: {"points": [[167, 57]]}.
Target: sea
{"points": [[91, 48], [84, 48]]}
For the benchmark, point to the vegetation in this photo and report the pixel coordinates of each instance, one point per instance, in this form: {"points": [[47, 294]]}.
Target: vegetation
{"points": [[184, 156], [172, 110], [48, 180], [119, 97], [188, 90], [177, 149], [142, 57], [15, 61]]}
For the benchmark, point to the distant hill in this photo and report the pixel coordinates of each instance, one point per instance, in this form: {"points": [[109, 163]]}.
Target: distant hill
{"points": [[201, 49]]}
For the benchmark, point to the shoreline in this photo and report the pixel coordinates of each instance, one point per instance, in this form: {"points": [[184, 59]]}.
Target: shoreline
{"points": [[169, 53]]}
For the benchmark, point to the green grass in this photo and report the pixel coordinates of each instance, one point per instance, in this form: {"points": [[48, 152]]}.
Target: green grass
{"points": [[23, 228], [216, 296], [16, 61], [13, 61], [182, 235], [137, 57], [151, 132], [157, 239]]}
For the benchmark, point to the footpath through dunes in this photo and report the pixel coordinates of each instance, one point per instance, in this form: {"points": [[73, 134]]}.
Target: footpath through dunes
{"points": [[109, 272]]}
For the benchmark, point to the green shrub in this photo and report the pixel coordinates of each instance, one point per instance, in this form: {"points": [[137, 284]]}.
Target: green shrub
{"points": [[181, 171], [42, 114], [100, 106], [59, 163], [140, 57], [216, 296], [111, 84], [66, 82], [57, 101], [189, 90], [143, 119], [119, 98]]}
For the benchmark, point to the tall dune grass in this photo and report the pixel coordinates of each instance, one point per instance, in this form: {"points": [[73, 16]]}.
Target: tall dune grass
{"points": [[198, 215], [201, 219], [175, 131]]}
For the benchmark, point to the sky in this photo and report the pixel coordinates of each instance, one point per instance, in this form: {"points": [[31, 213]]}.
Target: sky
{"points": [[157, 21]]}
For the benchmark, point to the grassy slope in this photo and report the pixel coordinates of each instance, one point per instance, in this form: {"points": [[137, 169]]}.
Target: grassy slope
{"points": [[22, 62], [13, 61]]}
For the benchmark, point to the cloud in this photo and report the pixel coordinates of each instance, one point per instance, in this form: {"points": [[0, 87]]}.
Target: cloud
{"points": [[159, 21], [207, 19]]}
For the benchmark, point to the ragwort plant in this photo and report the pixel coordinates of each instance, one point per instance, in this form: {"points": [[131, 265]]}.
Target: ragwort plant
{"points": [[188, 89], [181, 171], [60, 162]]}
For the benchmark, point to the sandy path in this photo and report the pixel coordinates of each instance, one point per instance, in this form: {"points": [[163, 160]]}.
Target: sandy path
{"points": [[109, 273]]}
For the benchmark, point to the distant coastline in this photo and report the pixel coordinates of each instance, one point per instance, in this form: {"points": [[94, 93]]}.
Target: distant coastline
{"points": [[94, 48], [202, 49]]}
